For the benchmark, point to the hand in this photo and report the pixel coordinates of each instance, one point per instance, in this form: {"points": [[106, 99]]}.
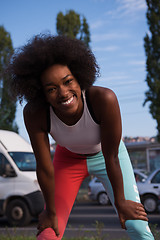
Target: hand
{"points": [[129, 210], [47, 220]]}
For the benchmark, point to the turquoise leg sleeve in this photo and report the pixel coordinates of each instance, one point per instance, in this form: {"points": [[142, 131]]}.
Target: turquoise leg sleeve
{"points": [[136, 229]]}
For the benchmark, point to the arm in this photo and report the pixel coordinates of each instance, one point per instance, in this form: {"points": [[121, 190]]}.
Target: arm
{"points": [[110, 125], [108, 114], [37, 129]]}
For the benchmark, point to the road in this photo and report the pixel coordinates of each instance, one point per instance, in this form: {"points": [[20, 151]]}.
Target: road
{"points": [[85, 220]]}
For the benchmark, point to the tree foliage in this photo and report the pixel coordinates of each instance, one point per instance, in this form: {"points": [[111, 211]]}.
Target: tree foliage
{"points": [[7, 105], [152, 49], [73, 25]]}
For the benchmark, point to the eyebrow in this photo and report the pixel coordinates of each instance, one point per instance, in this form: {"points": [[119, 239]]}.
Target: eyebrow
{"points": [[68, 75], [48, 84], [51, 84]]}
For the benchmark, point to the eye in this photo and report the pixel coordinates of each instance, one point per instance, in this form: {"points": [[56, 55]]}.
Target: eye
{"points": [[68, 81], [51, 89]]}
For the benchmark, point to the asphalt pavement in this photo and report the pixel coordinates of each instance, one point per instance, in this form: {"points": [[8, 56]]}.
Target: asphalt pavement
{"points": [[86, 219]]}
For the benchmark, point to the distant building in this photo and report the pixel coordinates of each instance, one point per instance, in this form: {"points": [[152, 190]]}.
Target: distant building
{"points": [[144, 154]]}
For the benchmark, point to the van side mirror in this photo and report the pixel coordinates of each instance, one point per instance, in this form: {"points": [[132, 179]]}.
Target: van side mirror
{"points": [[9, 171], [6, 170]]}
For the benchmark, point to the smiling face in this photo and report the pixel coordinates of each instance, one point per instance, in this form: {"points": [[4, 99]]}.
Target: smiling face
{"points": [[63, 92]]}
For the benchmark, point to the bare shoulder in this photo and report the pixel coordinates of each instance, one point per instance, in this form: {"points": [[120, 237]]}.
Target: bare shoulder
{"points": [[35, 117], [102, 100], [102, 95]]}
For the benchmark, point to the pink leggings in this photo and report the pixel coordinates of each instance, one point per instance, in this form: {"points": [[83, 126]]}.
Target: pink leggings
{"points": [[70, 171]]}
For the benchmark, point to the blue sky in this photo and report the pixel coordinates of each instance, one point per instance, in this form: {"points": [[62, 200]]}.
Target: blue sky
{"points": [[117, 30]]}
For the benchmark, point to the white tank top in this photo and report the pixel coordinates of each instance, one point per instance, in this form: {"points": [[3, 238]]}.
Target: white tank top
{"points": [[82, 137]]}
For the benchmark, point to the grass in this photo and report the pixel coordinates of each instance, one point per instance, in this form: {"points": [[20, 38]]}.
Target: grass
{"points": [[17, 238], [155, 231], [74, 238], [97, 236]]}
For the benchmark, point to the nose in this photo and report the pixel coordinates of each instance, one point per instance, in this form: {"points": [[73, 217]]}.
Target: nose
{"points": [[62, 92]]}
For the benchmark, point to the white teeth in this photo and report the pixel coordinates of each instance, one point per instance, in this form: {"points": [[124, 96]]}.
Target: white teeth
{"points": [[68, 102]]}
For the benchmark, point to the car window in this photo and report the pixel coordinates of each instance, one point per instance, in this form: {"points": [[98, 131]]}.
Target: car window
{"points": [[97, 180], [25, 161], [139, 177], [156, 178]]}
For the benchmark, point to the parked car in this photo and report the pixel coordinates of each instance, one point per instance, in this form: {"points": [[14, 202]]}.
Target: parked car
{"points": [[97, 192], [20, 194], [158, 205], [149, 191], [140, 175]]}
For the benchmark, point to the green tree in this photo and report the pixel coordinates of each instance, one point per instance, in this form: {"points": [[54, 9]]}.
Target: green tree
{"points": [[7, 105], [73, 25], [152, 49]]}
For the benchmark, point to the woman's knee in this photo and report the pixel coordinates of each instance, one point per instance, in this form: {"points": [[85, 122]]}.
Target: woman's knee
{"points": [[48, 234], [138, 230]]}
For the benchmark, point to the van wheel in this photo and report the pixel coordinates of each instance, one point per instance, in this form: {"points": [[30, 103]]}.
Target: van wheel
{"points": [[18, 213], [103, 198]]}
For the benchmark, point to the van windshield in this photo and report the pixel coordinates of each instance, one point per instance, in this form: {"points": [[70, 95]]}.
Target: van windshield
{"points": [[25, 161]]}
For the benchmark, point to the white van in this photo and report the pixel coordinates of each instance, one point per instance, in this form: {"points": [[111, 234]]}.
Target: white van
{"points": [[20, 195]]}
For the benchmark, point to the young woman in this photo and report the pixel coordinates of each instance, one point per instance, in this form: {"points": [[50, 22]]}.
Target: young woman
{"points": [[56, 75]]}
